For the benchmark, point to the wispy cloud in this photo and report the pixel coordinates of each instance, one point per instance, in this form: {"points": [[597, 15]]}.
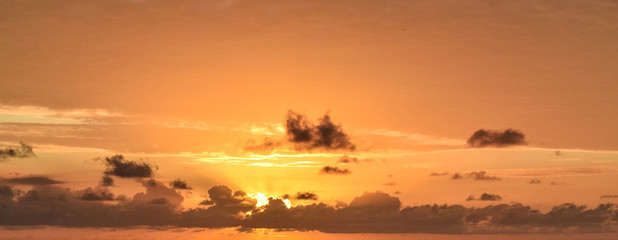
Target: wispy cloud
{"points": [[415, 138]]}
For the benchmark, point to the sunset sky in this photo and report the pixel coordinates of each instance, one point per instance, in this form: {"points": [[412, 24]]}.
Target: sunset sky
{"points": [[352, 108]]}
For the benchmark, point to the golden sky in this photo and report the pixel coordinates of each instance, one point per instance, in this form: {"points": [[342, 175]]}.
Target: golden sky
{"points": [[388, 94]]}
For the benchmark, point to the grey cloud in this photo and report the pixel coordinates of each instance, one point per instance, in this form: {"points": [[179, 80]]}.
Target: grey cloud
{"points": [[609, 196], [485, 197], [37, 180], [476, 175], [496, 138], [23, 151], [179, 184], [535, 181], [347, 159], [372, 212], [334, 170], [97, 194], [438, 174], [305, 196], [326, 135], [106, 181], [118, 166]]}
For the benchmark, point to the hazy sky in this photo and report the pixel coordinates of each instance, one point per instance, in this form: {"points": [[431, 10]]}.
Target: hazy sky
{"points": [[344, 101]]}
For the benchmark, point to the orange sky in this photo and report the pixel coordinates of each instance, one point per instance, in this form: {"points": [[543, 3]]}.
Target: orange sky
{"points": [[195, 86]]}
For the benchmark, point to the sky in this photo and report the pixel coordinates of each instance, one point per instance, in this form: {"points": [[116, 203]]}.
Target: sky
{"points": [[427, 117]]}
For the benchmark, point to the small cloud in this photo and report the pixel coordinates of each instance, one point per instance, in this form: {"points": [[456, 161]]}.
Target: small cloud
{"points": [[118, 166], [106, 181], [267, 145], [390, 184], [480, 176], [496, 138], [609, 196], [179, 184], [334, 170], [558, 153], [23, 151], [347, 159], [97, 194], [306, 196], [485, 197], [438, 174], [535, 181], [32, 181], [557, 183], [326, 135]]}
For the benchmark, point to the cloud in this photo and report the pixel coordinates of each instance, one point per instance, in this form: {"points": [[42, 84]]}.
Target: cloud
{"points": [[97, 194], [106, 181], [267, 144], [347, 159], [496, 138], [38, 180], [118, 166], [535, 181], [371, 212], [305, 196], [179, 184], [438, 174], [479, 176], [326, 135], [609, 196], [23, 151], [485, 197], [334, 170]]}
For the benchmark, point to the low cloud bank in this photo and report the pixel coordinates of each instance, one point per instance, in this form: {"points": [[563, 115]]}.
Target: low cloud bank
{"points": [[372, 212]]}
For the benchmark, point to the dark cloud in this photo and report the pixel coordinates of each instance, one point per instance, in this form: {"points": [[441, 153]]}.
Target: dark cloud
{"points": [[609, 196], [334, 170], [179, 184], [390, 184], [305, 196], [347, 159], [535, 181], [485, 197], [106, 181], [224, 200], [372, 212], [438, 174], [118, 166], [23, 151], [496, 138], [97, 194], [326, 135], [6, 191], [558, 153], [32, 180], [480, 176], [160, 201]]}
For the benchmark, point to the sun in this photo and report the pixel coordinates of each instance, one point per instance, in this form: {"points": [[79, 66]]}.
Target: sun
{"points": [[262, 200]]}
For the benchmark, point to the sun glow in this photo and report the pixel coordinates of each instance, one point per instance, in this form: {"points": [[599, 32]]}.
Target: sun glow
{"points": [[262, 200]]}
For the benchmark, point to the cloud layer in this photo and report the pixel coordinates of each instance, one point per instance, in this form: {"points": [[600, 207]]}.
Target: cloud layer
{"points": [[372, 212]]}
